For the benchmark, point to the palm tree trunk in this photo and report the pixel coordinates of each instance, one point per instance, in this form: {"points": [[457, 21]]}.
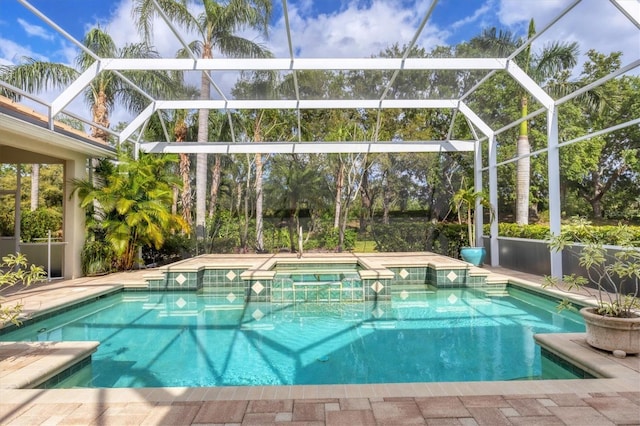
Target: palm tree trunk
{"points": [[523, 170], [101, 117], [35, 185], [185, 172], [215, 185], [201, 162]]}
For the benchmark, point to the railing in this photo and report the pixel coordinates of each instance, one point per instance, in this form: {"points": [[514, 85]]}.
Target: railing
{"points": [[46, 252], [532, 256]]}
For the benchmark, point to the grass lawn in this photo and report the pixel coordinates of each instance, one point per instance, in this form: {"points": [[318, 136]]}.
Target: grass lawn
{"points": [[368, 246]]}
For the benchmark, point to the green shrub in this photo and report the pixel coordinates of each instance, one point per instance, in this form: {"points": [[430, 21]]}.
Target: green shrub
{"points": [[513, 230], [97, 257], [607, 234], [175, 247], [36, 224]]}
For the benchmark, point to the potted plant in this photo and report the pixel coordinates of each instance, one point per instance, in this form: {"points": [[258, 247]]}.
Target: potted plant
{"points": [[613, 320], [464, 202]]}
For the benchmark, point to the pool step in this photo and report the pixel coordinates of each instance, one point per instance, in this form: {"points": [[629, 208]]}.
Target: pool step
{"points": [[496, 290]]}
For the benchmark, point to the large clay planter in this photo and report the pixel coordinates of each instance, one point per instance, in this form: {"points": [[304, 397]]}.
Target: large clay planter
{"points": [[610, 333]]}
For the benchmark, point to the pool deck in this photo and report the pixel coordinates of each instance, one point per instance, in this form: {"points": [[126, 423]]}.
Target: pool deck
{"points": [[605, 401]]}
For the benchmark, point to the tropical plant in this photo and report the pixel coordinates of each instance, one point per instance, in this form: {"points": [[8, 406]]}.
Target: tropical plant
{"points": [[604, 272], [464, 203], [217, 28], [134, 199], [14, 269]]}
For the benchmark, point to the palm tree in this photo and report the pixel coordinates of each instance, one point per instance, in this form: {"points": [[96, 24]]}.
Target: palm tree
{"points": [[216, 27], [135, 199], [541, 67], [106, 90]]}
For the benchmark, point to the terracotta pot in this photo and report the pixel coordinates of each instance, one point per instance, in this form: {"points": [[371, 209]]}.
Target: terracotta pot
{"points": [[611, 333]]}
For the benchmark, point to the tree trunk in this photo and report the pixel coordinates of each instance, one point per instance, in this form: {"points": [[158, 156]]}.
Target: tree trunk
{"points": [[185, 172], [523, 171], [259, 199], [201, 158], [339, 191], [215, 185], [365, 211], [174, 200], [35, 185], [100, 116], [386, 198]]}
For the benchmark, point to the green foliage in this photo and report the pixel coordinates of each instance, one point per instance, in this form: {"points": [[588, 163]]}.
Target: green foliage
{"points": [[14, 269], [223, 233], [175, 247], [97, 257], [464, 203], [330, 239], [603, 270], [442, 238], [36, 224], [399, 237], [604, 234], [134, 201], [513, 230]]}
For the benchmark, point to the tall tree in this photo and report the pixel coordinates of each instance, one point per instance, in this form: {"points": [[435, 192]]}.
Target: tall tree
{"points": [[217, 28], [607, 163], [542, 66]]}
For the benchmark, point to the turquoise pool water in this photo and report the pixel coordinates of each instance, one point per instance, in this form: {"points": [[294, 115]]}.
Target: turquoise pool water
{"points": [[184, 339]]}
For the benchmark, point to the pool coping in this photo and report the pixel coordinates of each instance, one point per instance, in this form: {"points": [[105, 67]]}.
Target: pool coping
{"points": [[30, 364], [619, 376]]}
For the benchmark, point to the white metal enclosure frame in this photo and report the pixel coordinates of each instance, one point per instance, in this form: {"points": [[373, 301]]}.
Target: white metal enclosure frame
{"points": [[549, 106]]}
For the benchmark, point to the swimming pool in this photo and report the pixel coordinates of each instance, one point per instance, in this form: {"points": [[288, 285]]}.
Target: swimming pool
{"points": [[184, 339]]}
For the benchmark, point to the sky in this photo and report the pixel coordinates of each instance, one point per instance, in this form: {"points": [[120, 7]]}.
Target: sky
{"points": [[328, 28]]}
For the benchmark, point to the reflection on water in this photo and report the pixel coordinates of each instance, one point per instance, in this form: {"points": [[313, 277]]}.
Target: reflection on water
{"points": [[186, 339]]}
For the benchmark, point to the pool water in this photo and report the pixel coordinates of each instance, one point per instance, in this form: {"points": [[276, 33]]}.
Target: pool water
{"points": [[184, 339]]}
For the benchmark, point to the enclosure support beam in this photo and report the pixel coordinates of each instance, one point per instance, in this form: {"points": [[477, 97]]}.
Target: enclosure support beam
{"points": [[492, 143], [477, 187], [554, 187]]}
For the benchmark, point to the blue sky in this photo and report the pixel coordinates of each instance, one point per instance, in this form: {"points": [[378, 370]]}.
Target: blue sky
{"points": [[328, 28], [320, 27]]}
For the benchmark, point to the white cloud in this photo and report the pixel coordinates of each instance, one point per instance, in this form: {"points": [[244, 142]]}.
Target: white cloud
{"points": [[356, 30], [478, 14], [12, 52], [594, 24], [35, 30]]}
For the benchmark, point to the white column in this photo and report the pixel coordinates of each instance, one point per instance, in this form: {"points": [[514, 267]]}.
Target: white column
{"points": [[493, 198], [18, 215], [477, 185], [554, 186], [74, 223]]}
